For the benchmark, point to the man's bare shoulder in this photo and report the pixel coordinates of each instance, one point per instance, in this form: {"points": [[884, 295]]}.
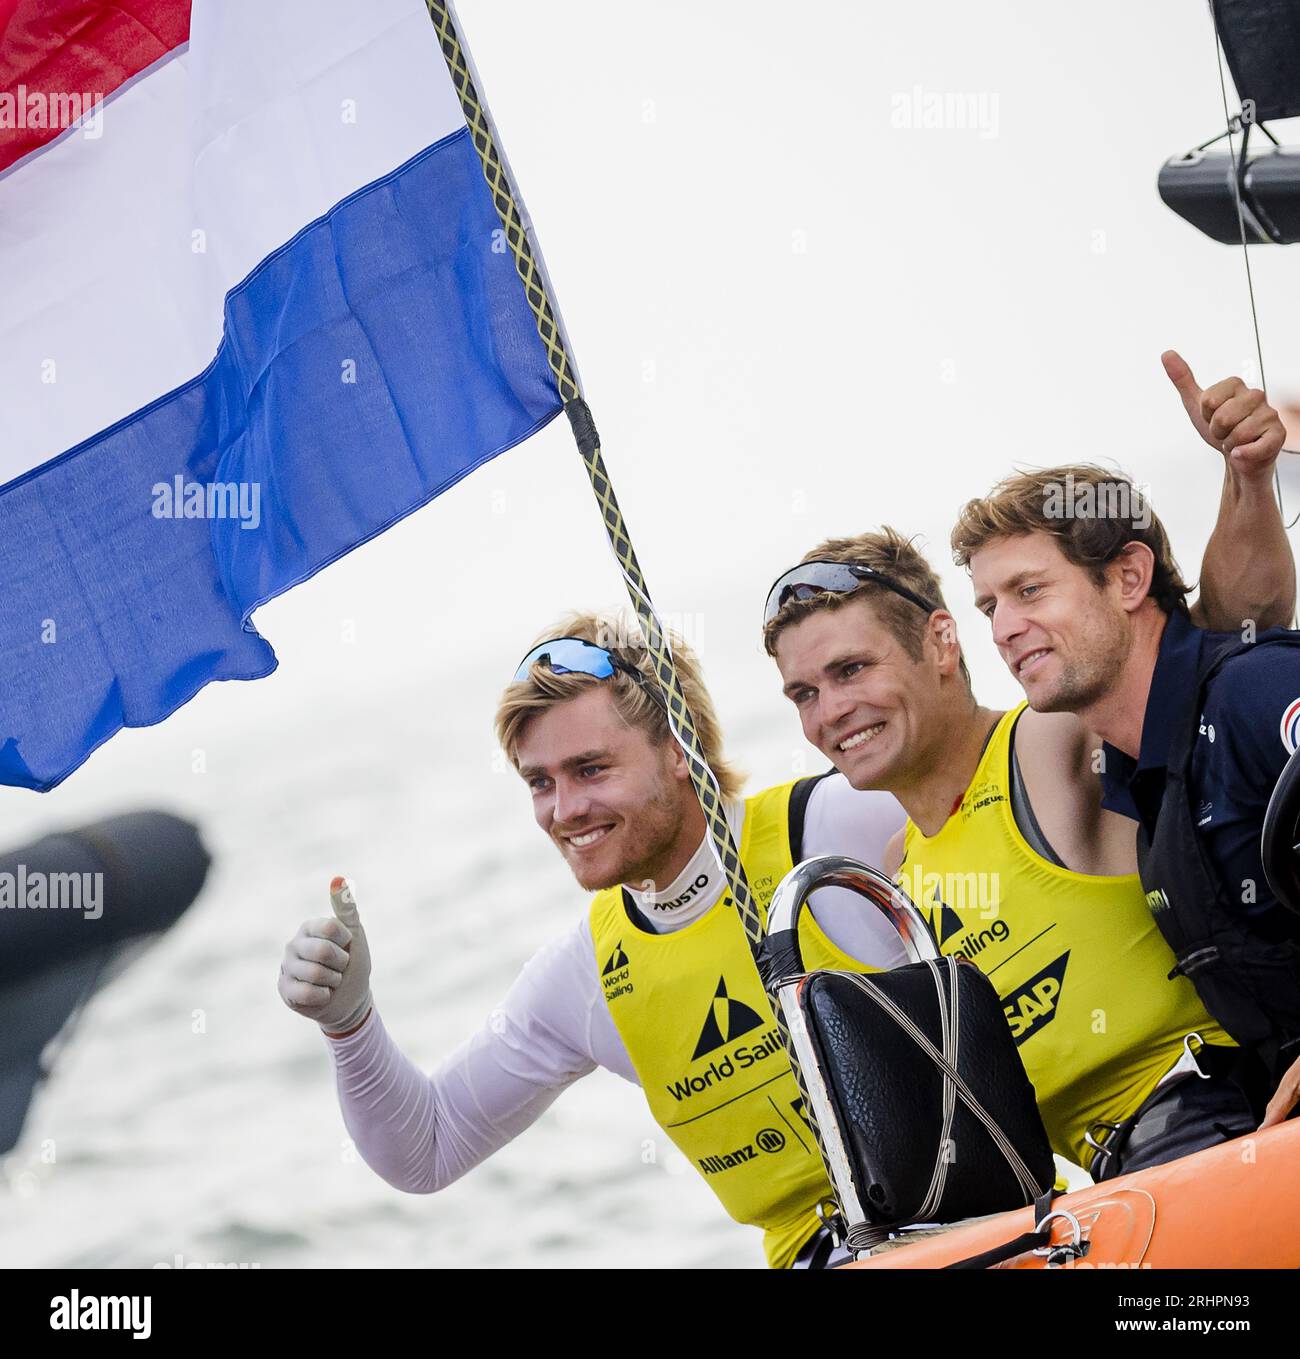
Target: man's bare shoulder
{"points": [[1057, 754], [1052, 736], [1056, 745]]}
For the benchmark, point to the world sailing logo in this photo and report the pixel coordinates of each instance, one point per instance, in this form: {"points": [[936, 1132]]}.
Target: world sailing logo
{"points": [[946, 924], [727, 1020], [614, 975], [617, 959]]}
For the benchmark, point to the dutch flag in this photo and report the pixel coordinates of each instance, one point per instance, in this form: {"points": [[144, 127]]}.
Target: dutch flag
{"points": [[255, 307]]}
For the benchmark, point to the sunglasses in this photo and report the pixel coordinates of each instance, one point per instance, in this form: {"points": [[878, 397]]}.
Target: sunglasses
{"points": [[809, 579], [571, 655]]}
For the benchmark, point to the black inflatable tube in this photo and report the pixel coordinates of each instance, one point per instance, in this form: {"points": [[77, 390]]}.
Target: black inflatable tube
{"points": [[151, 864]]}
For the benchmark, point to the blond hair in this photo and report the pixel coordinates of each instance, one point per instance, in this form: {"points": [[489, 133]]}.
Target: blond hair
{"points": [[543, 689], [892, 555], [1093, 514]]}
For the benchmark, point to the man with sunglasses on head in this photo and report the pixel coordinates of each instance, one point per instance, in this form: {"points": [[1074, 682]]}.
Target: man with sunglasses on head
{"points": [[1007, 848], [654, 982]]}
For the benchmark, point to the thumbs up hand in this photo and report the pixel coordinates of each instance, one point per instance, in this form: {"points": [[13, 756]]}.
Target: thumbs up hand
{"points": [[1232, 418], [325, 972]]}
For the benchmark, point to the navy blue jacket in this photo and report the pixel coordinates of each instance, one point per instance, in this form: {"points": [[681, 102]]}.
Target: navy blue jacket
{"points": [[1249, 726]]}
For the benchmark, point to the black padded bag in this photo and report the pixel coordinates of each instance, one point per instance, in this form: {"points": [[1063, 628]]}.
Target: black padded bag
{"points": [[888, 1093]]}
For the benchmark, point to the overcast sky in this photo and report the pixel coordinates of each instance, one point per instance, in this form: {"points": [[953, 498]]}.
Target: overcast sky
{"points": [[797, 313]]}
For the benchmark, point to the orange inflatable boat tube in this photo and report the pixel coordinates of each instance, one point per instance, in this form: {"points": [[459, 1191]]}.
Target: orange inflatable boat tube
{"points": [[1233, 1206]]}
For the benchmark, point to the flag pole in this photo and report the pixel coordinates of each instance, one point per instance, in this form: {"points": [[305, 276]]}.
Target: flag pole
{"points": [[588, 441]]}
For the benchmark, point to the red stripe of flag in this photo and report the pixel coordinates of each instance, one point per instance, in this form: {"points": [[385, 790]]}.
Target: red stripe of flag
{"points": [[51, 50]]}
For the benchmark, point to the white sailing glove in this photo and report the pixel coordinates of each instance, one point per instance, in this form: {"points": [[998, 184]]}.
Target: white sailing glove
{"points": [[325, 973]]}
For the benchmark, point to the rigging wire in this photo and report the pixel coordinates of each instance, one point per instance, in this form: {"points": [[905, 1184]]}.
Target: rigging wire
{"points": [[1237, 161]]}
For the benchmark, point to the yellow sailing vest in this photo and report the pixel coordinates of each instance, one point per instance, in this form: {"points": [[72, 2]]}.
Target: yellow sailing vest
{"points": [[1079, 964], [701, 1034]]}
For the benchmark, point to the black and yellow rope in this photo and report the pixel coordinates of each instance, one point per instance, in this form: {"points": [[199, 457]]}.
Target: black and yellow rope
{"points": [[503, 196], [589, 445], [706, 787]]}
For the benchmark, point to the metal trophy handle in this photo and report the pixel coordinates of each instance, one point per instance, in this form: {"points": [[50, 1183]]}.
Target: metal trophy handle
{"points": [[782, 971], [838, 870]]}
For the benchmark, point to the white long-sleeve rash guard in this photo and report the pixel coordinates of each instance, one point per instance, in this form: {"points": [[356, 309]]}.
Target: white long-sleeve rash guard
{"points": [[422, 1132]]}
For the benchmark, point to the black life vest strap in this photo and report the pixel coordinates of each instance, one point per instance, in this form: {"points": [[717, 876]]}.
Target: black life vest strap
{"points": [[1217, 651], [800, 796]]}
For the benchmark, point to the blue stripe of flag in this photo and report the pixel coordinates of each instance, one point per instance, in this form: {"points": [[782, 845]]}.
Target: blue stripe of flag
{"points": [[366, 366]]}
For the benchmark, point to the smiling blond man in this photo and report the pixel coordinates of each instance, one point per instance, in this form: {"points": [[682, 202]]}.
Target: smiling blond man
{"points": [[653, 981]]}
